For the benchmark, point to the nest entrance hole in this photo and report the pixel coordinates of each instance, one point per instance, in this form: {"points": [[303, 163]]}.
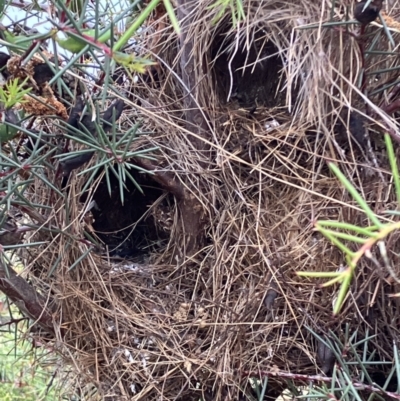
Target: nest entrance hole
{"points": [[138, 226], [252, 74]]}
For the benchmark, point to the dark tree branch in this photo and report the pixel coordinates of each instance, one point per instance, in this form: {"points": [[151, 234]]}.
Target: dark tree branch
{"points": [[27, 300], [195, 120], [164, 178], [190, 209]]}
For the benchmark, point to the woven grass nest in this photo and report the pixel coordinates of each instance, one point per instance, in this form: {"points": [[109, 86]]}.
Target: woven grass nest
{"points": [[165, 323]]}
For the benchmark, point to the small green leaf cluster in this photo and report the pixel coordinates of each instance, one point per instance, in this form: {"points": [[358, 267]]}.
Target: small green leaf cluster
{"points": [[341, 233], [13, 92]]}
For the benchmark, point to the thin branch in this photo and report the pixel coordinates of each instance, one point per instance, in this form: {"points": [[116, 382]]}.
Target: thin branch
{"points": [[164, 178], [24, 296], [195, 120]]}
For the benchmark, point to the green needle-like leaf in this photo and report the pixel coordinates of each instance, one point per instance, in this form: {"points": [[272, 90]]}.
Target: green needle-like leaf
{"points": [[2, 4], [13, 92], [124, 39], [172, 16], [393, 166], [344, 236], [369, 232], [344, 288], [319, 274], [356, 196], [338, 279], [336, 242]]}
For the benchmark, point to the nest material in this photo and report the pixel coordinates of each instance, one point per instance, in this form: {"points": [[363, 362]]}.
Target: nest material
{"points": [[44, 105], [157, 328], [37, 74]]}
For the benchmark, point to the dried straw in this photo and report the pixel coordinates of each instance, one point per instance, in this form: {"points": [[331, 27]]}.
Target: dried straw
{"points": [[168, 330]]}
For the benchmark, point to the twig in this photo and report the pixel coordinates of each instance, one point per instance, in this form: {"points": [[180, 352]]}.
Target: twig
{"points": [[24, 296], [164, 178]]}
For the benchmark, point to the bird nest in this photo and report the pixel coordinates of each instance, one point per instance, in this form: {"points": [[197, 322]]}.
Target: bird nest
{"points": [[280, 95]]}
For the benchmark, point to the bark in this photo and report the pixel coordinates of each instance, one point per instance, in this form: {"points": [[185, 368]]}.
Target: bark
{"points": [[27, 300], [165, 179], [190, 209], [195, 120]]}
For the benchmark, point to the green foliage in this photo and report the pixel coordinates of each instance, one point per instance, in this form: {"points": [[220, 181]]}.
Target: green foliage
{"points": [[23, 374], [76, 6], [352, 377], [13, 92], [22, 377], [140, 20], [2, 6], [133, 63], [357, 372], [80, 40], [20, 43], [112, 155], [365, 237], [10, 94], [76, 43], [7, 132], [235, 6]]}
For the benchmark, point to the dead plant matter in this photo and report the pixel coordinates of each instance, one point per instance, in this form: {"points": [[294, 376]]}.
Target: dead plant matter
{"points": [[241, 145]]}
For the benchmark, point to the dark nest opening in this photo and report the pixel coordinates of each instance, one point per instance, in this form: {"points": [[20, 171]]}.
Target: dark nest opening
{"points": [[135, 224], [250, 73]]}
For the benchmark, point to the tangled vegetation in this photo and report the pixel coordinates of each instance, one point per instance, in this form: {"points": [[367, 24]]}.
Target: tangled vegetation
{"points": [[169, 172]]}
